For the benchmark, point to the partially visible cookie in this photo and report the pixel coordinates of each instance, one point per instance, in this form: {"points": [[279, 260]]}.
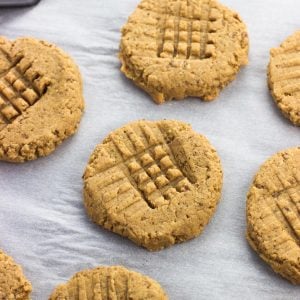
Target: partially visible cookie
{"points": [[41, 100], [108, 283], [13, 284], [284, 77], [273, 213], [178, 48], [156, 182]]}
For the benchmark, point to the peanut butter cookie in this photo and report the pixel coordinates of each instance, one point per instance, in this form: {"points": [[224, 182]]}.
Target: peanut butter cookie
{"points": [[157, 183], [284, 77], [41, 100], [178, 48], [107, 283], [13, 284], [273, 213]]}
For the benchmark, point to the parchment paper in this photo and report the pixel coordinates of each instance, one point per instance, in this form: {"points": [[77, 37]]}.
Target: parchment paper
{"points": [[43, 224]]}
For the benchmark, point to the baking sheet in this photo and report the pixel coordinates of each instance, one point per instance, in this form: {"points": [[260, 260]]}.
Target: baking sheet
{"points": [[43, 224]]}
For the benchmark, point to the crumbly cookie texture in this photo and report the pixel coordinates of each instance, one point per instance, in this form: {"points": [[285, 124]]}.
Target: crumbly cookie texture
{"points": [[284, 77], [178, 48], [157, 183], [273, 213], [41, 100], [13, 284], [107, 283]]}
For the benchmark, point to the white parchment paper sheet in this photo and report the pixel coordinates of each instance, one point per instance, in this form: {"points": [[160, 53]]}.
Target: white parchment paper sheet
{"points": [[43, 224]]}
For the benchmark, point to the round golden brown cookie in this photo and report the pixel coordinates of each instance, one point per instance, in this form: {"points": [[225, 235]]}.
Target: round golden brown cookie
{"points": [[178, 48], [157, 183], [13, 284], [284, 77], [41, 100], [107, 283], [273, 213]]}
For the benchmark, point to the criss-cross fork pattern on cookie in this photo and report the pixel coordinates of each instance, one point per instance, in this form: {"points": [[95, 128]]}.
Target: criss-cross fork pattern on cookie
{"points": [[95, 285], [109, 283], [20, 88], [288, 74], [150, 169], [187, 31], [285, 204]]}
